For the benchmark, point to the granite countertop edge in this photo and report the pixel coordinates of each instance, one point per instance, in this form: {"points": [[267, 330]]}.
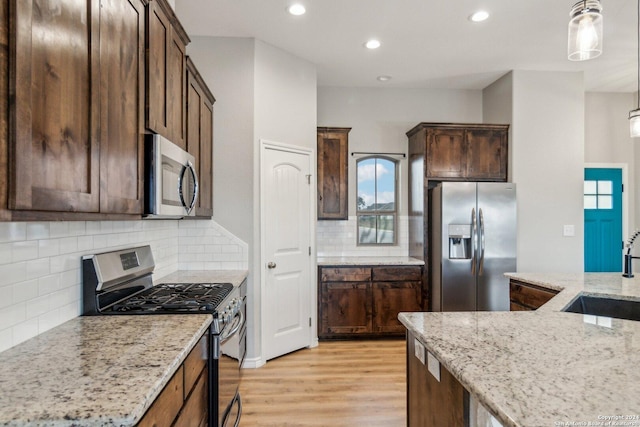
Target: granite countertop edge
{"points": [[325, 261]]}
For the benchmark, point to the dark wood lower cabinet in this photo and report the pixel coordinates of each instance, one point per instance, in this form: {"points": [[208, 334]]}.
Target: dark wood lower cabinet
{"points": [[365, 301], [527, 297], [433, 402], [183, 401]]}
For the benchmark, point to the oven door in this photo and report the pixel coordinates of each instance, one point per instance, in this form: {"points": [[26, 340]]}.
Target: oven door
{"points": [[233, 349]]}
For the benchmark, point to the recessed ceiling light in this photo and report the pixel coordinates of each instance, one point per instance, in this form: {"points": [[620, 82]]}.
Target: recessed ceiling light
{"points": [[297, 9], [383, 78], [479, 16], [372, 44]]}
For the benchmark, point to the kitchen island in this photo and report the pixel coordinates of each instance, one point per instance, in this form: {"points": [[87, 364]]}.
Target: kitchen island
{"points": [[544, 367]]}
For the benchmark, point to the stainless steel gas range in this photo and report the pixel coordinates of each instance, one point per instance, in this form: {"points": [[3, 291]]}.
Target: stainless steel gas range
{"points": [[120, 283]]}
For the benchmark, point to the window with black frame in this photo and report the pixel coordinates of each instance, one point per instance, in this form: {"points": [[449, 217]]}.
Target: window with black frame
{"points": [[377, 190]]}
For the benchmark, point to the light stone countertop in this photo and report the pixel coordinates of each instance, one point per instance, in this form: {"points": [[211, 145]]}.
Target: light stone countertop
{"points": [[95, 370], [368, 260], [546, 367]]}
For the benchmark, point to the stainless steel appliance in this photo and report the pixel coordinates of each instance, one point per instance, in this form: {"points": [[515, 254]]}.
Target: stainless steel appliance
{"points": [[472, 244], [171, 184], [120, 282]]}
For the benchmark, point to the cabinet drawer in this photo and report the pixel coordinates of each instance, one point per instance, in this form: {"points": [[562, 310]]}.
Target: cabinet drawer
{"points": [[195, 363], [396, 273], [345, 274], [529, 296]]}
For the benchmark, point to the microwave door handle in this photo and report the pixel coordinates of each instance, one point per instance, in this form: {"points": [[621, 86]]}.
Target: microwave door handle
{"points": [[189, 169]]}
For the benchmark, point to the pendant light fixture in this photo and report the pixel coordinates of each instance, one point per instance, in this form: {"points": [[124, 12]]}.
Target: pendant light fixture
{"points": [[585, 30], [634, 115]]}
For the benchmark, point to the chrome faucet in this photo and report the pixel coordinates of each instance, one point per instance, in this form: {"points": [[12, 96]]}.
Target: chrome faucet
{"points": [[628, 258]]}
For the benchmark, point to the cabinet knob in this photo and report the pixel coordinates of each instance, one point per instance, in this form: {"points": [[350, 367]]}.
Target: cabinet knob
{"points": [[271, 265]]}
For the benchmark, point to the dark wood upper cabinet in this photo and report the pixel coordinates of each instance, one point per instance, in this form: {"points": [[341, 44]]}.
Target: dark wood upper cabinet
{"points": [[200, 136], [122, 106], [463, 152], [54, 115], [333, 147], [77, 122], [166, 73]]}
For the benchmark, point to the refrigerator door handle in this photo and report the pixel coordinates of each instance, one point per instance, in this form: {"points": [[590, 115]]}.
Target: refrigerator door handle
{"points": [[480, 268], [474, 241]]}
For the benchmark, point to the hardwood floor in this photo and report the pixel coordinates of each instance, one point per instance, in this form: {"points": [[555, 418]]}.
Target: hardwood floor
{"points": [[338, 383]]}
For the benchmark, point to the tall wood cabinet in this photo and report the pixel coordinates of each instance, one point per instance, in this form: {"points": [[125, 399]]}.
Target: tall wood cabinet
{"points": [[333, 152], [364, 301], [166, 80], [449, 152], [200, 136], [77, 119]]}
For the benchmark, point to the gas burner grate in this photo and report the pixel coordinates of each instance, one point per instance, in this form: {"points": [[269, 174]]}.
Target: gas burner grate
{"points": [[177, 297]]}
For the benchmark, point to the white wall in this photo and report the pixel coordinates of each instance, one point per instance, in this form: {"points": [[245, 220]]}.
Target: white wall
{"points": [[227, 66], [285, 112], [261, 92], [379, 119], [548, 168], [607, 141]]}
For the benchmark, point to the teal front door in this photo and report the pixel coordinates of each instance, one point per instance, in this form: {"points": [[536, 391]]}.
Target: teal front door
{"points": [[602, 220]]}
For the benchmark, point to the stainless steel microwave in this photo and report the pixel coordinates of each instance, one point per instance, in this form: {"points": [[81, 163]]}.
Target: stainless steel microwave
{"points": [[171, 181]]}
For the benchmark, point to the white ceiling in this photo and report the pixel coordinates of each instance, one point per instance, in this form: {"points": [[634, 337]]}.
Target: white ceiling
{"points": [[426, 43]]}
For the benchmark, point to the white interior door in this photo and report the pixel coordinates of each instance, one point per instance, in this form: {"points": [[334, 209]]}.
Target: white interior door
{"points": [[286, 225]]}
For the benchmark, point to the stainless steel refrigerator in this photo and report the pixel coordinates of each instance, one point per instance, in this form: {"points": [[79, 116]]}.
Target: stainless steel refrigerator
{"points": [[472, 244]]}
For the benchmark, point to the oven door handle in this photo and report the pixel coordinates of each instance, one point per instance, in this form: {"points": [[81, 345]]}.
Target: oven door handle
{"points": [[236, 328]]}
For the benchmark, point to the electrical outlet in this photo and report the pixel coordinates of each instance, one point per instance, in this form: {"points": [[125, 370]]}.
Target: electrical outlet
{"points": [[569, 231], [419, 350]]}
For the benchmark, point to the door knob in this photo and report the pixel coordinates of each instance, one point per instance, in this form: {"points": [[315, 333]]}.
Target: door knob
{"points": [[271, 264]]}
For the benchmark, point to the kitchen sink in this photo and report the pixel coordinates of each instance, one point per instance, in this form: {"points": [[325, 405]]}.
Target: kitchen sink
{"points": [[603, 306]]}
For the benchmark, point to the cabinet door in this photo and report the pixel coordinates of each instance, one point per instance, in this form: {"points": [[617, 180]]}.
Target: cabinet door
{"points": [[346, 308], [176, 89], [158, 38], [166, 68], [122, 106], [486, 154], [200, 136], [55, 117], [333, 147], [446, 153], [391, 298]]}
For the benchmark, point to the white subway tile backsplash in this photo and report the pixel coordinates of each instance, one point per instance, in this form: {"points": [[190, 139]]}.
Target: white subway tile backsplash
{"points": [[338, 238], [6, 339], [13, 231], [37, 230], [40, 274], [24, 291], [12, 273], [6, 296]]}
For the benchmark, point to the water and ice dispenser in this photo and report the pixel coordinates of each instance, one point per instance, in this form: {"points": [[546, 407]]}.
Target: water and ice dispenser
{"points": [[459, 241]]}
